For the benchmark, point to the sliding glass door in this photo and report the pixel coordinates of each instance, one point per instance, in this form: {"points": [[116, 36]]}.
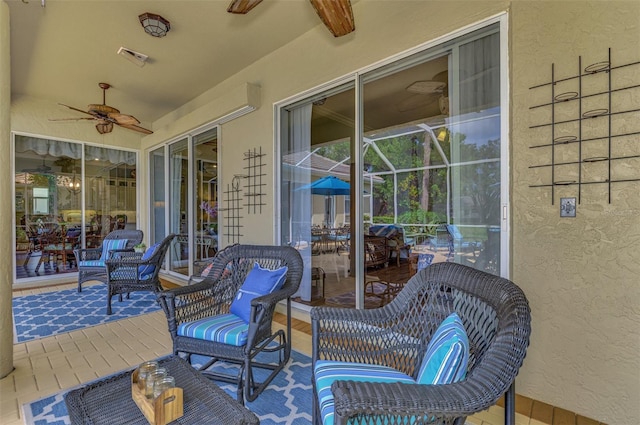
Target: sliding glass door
{"points": [[184, 187], [179, 206], [68, 195], [428, 154]]}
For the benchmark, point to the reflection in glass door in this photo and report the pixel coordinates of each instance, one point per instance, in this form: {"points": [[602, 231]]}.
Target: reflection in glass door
{"points": [[316, 178], [430, 162], [157, 189], [68, 196], [205, 211], [185, 203], [178, 206]]}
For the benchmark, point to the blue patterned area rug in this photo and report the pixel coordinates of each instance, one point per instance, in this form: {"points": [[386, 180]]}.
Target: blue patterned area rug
{"points": [[51, 313], [286, 401]]}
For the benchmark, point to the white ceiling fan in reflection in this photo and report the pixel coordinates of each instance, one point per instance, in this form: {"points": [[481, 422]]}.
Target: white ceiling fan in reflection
{"points": [[425, 92]]}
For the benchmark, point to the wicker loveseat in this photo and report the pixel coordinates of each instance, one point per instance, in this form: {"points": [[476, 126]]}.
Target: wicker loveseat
{"points": [[495, 314]]}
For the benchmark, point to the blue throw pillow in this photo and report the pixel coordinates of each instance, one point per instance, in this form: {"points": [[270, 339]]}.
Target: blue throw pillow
{"points": [[447, 356], [258, 282], [111, 244], [145, 272]]}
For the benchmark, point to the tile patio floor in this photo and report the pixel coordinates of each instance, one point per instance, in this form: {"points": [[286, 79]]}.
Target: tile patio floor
{"points": [[48, 365]]}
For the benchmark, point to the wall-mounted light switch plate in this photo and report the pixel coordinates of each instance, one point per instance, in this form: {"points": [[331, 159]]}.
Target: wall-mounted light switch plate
{"points": [[567, 207]]}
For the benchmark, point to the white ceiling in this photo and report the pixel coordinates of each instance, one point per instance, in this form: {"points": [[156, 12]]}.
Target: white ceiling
{"points": [[61, 52]]}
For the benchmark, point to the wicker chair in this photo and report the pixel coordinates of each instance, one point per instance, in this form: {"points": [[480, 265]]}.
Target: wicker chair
{"points": [[212, 297], [88, 260], [495, 314], [129, 271]]}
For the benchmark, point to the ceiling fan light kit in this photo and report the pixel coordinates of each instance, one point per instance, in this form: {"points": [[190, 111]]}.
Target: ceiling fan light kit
{"points": [[104, 128], [154, 25]]}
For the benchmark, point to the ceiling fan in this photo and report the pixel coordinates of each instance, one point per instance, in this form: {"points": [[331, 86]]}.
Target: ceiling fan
{"points": [[425, 92], [106, 116], [336, 15]]}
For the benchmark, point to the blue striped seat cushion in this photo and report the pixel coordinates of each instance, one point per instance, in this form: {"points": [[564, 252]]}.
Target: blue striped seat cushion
{"points": [[327, 372], [225, 328], [447, 355], [110, 244], [92, 263]]}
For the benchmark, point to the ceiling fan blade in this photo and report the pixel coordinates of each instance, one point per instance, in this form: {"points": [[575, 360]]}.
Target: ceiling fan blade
{"points": [[135, 128], [336, 15], [71, 119], [242, 6], [415, 101], [75, 109], [123, 119]]}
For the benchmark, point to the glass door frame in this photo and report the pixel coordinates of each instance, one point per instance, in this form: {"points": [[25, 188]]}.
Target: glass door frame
{"points": [[356, 78], [191, 180]]}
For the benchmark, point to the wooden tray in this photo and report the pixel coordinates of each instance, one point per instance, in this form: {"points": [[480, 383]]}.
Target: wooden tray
{"points": [[165, 408]]}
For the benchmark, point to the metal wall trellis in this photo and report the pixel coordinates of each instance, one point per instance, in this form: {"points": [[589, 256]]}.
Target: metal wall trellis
{"points": [[254, 184]]}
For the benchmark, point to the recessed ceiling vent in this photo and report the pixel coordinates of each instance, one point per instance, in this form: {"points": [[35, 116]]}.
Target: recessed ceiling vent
{"points": [[136, 57]]}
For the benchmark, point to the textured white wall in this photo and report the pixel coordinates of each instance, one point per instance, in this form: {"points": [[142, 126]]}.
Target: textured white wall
{"points": [[580, 274]]}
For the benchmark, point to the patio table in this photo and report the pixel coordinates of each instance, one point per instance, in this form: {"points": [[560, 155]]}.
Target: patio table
{"points": [[109, 401]]}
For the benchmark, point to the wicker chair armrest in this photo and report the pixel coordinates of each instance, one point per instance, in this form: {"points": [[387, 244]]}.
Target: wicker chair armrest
{"points": [[339, 314], [87, 254], [373, 329], [273, 298], [435, 402], [188, 303], [124, 255], [126, 259]]}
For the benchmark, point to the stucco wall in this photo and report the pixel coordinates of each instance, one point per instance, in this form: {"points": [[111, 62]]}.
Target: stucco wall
{"points": [[581, 274]]}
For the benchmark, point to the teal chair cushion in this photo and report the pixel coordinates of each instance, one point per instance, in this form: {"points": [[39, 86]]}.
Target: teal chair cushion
{"points": [[111, 244], [447, 355], [327, 372], [225, 328]]}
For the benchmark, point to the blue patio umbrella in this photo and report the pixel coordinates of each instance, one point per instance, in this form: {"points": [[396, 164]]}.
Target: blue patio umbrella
{"points": [[328, 186]]}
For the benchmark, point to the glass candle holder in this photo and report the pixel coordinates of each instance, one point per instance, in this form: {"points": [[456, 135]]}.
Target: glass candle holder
{"points": [[143, 371], [156, 375], [163, 384]]}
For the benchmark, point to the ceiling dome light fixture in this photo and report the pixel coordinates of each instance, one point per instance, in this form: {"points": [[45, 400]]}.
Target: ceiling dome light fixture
{"points": [[154, 25]]}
